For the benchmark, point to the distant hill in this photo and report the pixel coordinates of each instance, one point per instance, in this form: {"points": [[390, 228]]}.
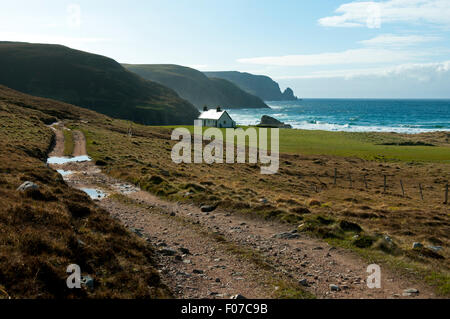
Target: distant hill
{"points": [[91, 81], [259, 85], [197, 88]]}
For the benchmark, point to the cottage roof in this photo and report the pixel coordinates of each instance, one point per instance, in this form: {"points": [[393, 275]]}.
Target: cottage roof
{"points": [[211, 115]]}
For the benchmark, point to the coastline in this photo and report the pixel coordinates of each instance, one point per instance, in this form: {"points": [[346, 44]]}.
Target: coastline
{"points": [[355, 115]]}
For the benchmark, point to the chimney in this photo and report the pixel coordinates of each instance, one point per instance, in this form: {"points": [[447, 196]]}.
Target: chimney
{"points": [[219, 109], [205, 108]]}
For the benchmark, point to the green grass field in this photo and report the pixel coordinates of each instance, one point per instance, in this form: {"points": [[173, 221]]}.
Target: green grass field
{"points": [[363, 145]]}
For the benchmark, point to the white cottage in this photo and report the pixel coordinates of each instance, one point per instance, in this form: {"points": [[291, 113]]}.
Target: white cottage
{"points": [[216, 118]]}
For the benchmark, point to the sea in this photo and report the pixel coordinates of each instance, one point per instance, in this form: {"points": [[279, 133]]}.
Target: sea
{"points": [[354, 115]]}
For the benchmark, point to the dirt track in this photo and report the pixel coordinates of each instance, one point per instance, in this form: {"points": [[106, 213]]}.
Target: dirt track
{"points": [[217, 255], [79, 148]]}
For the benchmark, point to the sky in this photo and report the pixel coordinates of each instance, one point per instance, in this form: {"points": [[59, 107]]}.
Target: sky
{"points": [[321, 48]]}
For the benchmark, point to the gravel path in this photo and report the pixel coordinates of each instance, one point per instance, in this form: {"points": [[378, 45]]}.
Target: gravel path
{"points": [[218, 254]]}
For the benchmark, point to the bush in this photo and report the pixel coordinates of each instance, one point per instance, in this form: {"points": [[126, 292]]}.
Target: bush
{"points": [[363, 241], [349, 226], [77, 210]]}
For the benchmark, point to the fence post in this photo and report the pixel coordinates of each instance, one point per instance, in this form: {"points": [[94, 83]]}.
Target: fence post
{"points": [[421, 193], [365, 182], [335, 175], [403, 190], [446, 194], [384, 183], [350, 179]]}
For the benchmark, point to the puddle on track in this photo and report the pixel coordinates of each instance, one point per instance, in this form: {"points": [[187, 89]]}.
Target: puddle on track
{"points": [[94, 193], [64, 173], [64, 160]]}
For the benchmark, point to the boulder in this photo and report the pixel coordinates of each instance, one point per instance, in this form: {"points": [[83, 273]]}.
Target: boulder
{"points": [[87, 281], [27, 185], [272, 122]]}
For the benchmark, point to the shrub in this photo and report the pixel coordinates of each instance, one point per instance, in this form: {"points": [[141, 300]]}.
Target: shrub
{"points": [[349, 226], [363, 241]]}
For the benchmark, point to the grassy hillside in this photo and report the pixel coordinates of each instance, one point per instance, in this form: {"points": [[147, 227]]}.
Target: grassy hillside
{"points": [[91, 81], [45, 230], [197, 88], [258, 85]]}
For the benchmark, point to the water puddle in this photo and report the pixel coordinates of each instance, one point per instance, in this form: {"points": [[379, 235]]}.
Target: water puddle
{"points": [[64, 173], [94, 193], [64, 160]]}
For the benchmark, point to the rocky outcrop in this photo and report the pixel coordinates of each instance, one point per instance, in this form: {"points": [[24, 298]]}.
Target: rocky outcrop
{"points": [[259, 85], [288, 95], [268, 121]]}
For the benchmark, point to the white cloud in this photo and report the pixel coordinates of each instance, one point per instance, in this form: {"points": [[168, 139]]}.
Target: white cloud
{"points": [[358, 14], [355, 56], [392, 40], [74, 15], [417, 71]]}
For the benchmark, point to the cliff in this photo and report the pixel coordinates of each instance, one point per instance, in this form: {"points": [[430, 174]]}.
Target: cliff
{"points": [[259, 85], [197, 88]]}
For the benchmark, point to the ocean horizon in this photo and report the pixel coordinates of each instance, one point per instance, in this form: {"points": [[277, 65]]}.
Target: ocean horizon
{"points": [[355, 114]]}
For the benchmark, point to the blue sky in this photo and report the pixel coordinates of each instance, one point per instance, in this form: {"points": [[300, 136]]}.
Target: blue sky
{"points": [[323, 48]]}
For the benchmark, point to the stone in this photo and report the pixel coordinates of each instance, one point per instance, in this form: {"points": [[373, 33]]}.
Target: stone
{"points": [[87, 281], [410, 292], [197, 271], [417, 245], [334, 287], [435, 248], [184, 251], [168, 252], [288, 235], [238, 296], [27, 185], [388, 239], [80, 242], [303, 282], [208, 208]]}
